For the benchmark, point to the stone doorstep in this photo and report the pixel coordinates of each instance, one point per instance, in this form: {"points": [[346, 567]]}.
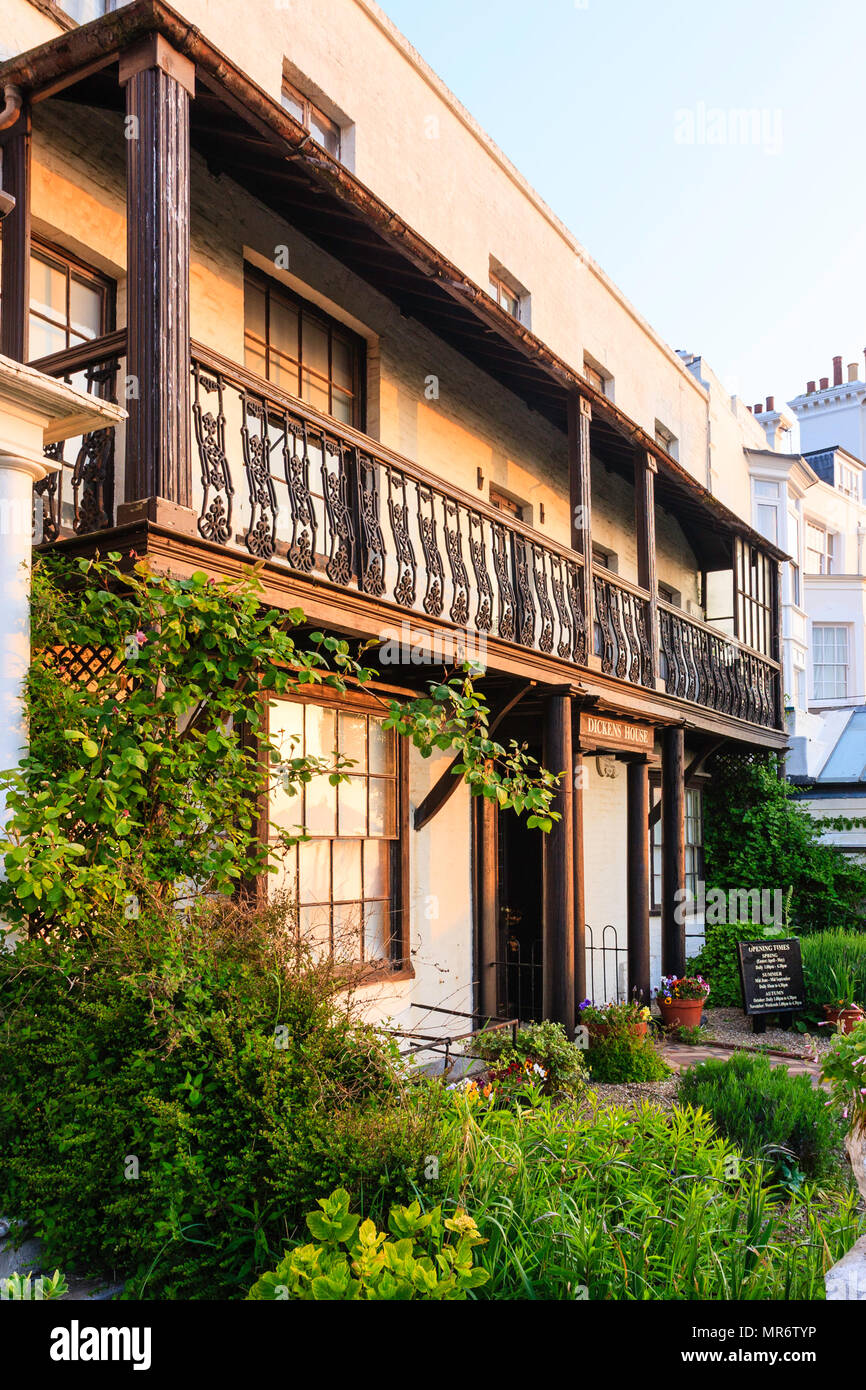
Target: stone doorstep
{"points": [[846, 1281], [25, 1257]]}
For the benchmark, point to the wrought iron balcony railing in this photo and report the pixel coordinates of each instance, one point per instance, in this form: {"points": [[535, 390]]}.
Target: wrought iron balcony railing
{"points": [[273, 477]]}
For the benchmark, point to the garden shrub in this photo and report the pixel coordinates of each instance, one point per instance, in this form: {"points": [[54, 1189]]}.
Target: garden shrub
{"points": [[176, 1093], [623, 1204], [426, 1256], [718, 960], [768, 1113], [546, 1043], [759, 837], [619, 1056]]}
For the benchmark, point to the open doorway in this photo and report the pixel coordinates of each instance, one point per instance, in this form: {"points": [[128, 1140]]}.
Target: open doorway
{"points": [[520, 902]]}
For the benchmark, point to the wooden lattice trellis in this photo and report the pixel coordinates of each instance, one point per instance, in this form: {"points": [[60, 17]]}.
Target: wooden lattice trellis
{"points": [[83, 665]]}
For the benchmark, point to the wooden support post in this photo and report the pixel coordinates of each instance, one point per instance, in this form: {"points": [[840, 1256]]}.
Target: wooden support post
{"points": [[159, 83], [580, 498], [15, 279], [673, 852], [489, 965], [558, 929], [579, 891], [638, 880], [645, 468]]}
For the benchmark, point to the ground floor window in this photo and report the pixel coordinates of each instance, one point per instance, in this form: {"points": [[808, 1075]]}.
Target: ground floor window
{"points": [[694, 844], [348, 876]]}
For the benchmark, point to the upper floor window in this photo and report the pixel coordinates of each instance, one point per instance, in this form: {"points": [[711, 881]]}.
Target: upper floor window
{"points": [[666, 438], [820, 549], [602, 556], [325, 131], [600, 381], [848, 480], [753, 597], [509, 294], [503, 503], [830, 658], [767, 509], [82, 11], [303, 350], [69, 304]]}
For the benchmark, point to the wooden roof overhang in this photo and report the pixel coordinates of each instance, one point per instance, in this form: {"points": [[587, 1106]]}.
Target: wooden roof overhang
{"points": [[243, 132]]}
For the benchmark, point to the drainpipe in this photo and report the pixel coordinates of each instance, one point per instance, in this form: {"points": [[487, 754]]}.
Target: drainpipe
{"points": [[13, 101]]}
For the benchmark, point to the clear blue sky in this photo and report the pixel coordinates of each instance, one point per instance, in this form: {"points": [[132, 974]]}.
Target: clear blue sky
{"points": [[749, 251]]}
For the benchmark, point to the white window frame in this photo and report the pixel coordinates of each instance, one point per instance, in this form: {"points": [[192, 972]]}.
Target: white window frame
{"points": [[830, 678], [509, 294], [827, 552]]}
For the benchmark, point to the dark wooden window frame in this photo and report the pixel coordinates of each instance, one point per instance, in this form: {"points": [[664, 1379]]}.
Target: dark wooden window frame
{"points": [[400, 966], [310, 109], [73, 266], [754, 597], [272, 287]]}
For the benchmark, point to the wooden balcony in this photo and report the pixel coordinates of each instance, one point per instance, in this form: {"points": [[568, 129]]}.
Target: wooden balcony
{"points": [[276, 480]]}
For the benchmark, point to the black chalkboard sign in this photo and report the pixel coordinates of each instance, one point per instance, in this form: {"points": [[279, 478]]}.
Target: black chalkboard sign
{"points": [[771, 972]]}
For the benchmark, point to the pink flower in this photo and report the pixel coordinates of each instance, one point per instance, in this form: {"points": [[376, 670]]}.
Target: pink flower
{"points": [[140, 638]]}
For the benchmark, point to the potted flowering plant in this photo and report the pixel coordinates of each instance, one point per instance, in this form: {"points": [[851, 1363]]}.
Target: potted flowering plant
{"points": [[844, 1066], [601, 1019], [843, 1011], [681, 1000]]}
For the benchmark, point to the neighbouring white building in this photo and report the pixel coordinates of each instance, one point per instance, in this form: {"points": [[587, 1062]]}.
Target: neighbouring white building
{"points": [[813, 505]]}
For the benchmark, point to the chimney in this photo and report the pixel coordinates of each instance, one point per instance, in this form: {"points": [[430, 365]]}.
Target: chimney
{"points": [[824, 383], [837, 371], [758, 408], [810, 388], [852, 371], [771, 403]]}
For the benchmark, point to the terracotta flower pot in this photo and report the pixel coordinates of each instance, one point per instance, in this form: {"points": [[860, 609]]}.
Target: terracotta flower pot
{"points": [[681, 1013], [845, 1019]]}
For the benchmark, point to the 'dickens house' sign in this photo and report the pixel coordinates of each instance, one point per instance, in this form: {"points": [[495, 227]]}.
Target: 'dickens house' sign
{"points": [[772, 976], [607, 731]]}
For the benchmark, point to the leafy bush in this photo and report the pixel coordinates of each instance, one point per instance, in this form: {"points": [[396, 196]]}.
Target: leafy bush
{"points": [[23, 1287], [768, 1113], [828, 957], [175, 1094], [719, 962], [758, 836], [348, 1261], [632, 1204], [545, 1043], [844, 1066], [617, 1055]]}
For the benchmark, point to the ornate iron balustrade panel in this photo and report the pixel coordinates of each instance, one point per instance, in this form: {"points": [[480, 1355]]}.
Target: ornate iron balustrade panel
{"points": [[623, 621], [282, 482], [714, 671], [82, 494]]}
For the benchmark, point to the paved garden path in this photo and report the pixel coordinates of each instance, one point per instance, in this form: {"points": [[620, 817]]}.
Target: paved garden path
{"points": [[682, 1055]]}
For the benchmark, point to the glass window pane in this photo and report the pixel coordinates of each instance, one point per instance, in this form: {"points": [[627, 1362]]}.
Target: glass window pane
{"points": [[383, 802], [321, 806], [85, 308], [315, 392], [314, 345], [353, 806], [314, 925], [320, 724], [377, 856], [376, 934], [382, 748], [286, 725], [342, 406], [294, 104], [48, 290], [284, 327], [314, 871], [347, 931], [45, 338], [353, 739], [342, 363], [347, 870]]}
